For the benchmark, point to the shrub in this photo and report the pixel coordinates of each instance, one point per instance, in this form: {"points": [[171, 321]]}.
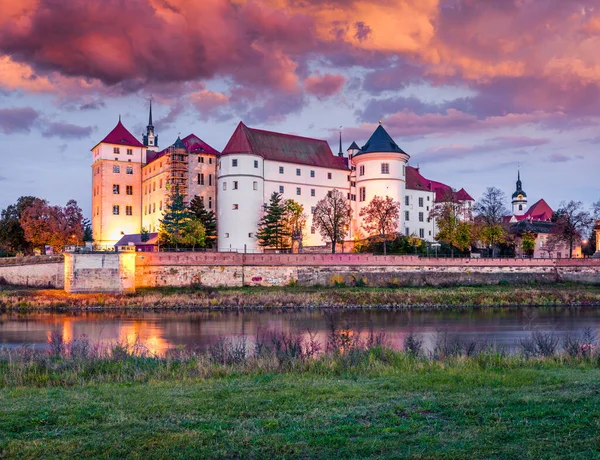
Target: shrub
{"points": [[413, 345], [539, 344], [580, 346]]}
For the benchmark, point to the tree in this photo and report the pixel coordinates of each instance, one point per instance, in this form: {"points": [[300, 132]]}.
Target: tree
{"points": [[332, 217], [490, 211], [144, 235], [294, 221], [12, 235], [380, 217], [528, 243], [272, 231], [193, 233], [452, 230], [175, 218], [87, 230], [207, 218], [571, 222]]}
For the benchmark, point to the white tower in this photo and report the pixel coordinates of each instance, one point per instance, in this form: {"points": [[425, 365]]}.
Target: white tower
{"points": [[519, 198], [240, 186], [150, 138], [380, 171]]}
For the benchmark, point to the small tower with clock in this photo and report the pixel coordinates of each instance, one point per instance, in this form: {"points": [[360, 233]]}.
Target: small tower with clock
{"points": [[519, 198]]}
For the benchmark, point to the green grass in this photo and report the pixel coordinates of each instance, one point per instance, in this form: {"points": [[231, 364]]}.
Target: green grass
{"points": [[484, 407], [275, 297]]}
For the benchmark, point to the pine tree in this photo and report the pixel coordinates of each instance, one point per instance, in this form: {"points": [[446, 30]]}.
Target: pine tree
{"points": [[272, 230], [176, 216], [207, 218]]}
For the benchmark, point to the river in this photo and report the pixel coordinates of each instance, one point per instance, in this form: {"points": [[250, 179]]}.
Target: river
{"points": [[162, 330]]}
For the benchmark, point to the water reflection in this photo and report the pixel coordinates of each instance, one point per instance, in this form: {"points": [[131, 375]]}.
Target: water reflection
{"points": [[160, 331]]}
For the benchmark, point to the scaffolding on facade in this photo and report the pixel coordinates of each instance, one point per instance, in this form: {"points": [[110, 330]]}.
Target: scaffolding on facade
{"points": [[177, 161]]}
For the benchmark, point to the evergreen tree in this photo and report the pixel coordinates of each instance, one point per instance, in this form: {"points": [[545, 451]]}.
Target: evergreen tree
{"points": [[144, 235], [272, 231], [175, 218], [87, 230], [207, 218]]}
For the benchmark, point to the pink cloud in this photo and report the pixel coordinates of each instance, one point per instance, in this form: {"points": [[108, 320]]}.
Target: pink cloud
{"points": [[324, 86]]}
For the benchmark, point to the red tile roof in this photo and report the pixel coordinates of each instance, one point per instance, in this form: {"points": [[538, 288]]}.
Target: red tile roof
{"points": [[119, 135], [194, 144], [415, 181], [539, 211], [283, 147]]}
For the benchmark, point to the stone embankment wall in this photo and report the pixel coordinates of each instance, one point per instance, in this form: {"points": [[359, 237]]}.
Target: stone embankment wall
{"points": [[38, 271], [218, 269], [125, 271]]}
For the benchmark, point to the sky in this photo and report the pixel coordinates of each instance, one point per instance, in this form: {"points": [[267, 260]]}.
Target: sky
{"points": [[472, 89]]}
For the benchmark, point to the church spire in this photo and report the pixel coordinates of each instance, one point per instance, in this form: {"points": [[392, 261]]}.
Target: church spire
{"points": [[150, 117], [150, 138], [341, 152]]}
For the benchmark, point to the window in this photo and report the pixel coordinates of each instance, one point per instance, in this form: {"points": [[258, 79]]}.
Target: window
{"points": [[129, 151], [234, 162], [145, 209], [427, 198], [153, 207], [298, 171], [235, 207], [250, 235], [116, 210], [115, 149], [421, 217], [352, 184], [407, 231], [420, 202], [281, 189], [210, 179], [404, 170], [200, 159], [129, 210], [256, 166], [312, 173], [406, 200], [520, 207], [421, 233], [312, 192], [328, 175], [160, 205], [312, 209], [226, 235], [129, 170], [254, 185], [281, 170], [348, 177], [97, 210], [406, 216], [210, 161], [298, 191], [116, 189], [353, 197], [235, 185], [200, 179], [362, 193], [224, 186], [312, 230], [116, 169], [153, 186], [385, 168], [129, 189], [210, 202], [361, 170]]}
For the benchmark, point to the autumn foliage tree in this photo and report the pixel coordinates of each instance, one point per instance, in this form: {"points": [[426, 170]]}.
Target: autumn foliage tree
{"points": [[380, 218], [452, 229], [332, 217], [571, 222]]}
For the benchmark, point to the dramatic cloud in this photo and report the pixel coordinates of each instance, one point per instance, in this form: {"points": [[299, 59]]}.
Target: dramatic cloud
{"points": [[17, 120], [66, 130], [324, 86]]}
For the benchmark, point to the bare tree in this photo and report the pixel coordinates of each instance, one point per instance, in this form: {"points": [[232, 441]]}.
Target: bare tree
{"points": [[490, 211], [332, 217], [571, 222], [380, 218]]}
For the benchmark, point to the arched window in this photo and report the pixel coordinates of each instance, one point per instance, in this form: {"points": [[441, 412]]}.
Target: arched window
{"points": [[520, 207]]}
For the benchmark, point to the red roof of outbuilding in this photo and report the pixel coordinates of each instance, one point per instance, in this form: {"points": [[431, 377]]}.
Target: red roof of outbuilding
{"points": [[462, 195], [283, 147], [539, 211], [119, 135]]}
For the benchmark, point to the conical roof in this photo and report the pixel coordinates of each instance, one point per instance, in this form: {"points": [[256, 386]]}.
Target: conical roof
{"points": [[353, 146], [178, 144], [120, 135], [381, 141]]}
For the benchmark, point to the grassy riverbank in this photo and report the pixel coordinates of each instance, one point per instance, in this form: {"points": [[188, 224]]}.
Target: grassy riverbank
{"points": [[341, 297], [369, 404]]}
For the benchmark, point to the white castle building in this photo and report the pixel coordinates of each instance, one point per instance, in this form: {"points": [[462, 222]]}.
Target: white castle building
{"points": [[135, 177]]}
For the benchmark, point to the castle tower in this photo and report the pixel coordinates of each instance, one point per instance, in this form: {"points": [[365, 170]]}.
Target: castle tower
{"points": [[150, 138], [116, 186], [519, 198], [380, 171]]}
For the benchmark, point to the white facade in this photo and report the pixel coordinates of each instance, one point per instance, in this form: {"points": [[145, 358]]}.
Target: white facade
{"points": [[416, 207]]}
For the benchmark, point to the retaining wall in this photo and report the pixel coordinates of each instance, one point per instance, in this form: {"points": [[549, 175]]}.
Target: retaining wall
{"points": [[38, 271], [110, 272]]}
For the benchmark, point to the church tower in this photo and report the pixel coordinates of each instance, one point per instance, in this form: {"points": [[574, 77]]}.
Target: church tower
{"points": [[150, 138], [519, 198]]}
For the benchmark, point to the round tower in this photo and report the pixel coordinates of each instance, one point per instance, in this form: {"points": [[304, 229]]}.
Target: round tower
{"points": [[380, 171], [519, 198], [240, 185]]}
